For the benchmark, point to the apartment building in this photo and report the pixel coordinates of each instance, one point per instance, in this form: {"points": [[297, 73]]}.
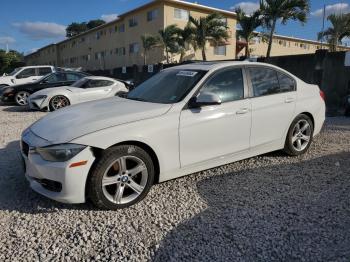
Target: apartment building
{"points": [[118, 43], [282, 45]]}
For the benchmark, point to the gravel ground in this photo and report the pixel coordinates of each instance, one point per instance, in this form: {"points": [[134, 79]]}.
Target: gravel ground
{"points": [[267, 208]]}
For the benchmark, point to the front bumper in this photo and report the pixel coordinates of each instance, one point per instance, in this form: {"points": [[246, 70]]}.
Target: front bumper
{"points": [[6, 98], [38, 104], [56, 180]]}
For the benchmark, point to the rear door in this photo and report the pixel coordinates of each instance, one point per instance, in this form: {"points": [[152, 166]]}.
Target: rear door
{"points": [[273, 104]]}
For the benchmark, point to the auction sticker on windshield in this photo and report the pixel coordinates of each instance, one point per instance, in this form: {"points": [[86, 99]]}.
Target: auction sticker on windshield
{"points": [[187, 73]]}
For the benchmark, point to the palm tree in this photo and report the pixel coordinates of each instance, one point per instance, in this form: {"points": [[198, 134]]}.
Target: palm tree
{"points": [[169, 38], [248, 24], [186, 39], [211, 28], [148, 42], [273, 10], [339, 30]]}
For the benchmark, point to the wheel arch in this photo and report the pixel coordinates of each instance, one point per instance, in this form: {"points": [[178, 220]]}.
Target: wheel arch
{"points": [[310, 116], [144, 146]]}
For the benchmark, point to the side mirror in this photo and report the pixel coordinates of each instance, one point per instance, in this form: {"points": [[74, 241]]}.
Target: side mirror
{"points": [[204, 99]]}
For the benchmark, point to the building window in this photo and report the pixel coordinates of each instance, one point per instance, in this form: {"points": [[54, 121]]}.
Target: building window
{"points": [[120, 51], [122, 28], [98, 35], [220, 50], [152, 15], [181, 14], [133, 22], [134, 48]]}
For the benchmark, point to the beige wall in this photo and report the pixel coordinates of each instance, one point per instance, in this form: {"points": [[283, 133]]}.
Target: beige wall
{"points": [[80, 51], [45, 56], [169, 19]]}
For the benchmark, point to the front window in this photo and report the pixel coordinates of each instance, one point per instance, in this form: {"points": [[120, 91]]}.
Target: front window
{"points": [[55, 77], [79, 83], [227, 84], [167, 87]]}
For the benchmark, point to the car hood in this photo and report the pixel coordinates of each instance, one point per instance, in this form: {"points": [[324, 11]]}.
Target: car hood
{"points": [[72, 122], [48, 91]]}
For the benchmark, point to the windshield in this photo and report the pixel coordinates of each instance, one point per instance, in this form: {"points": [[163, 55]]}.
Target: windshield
{"points": [[79, 83], [14, 71], [167, 87]]}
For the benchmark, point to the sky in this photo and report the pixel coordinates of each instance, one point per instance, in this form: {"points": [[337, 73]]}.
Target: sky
{"points": [[27, 25]]}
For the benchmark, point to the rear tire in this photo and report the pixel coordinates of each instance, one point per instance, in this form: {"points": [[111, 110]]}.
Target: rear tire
{"points": [[121, 178], [299, 137]]}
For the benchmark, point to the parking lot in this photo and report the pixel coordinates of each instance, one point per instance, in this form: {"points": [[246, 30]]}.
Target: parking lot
{"points": [[269, 208]]}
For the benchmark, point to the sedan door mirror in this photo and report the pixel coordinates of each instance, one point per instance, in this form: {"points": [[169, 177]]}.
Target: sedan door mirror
{"points": [[204, 99]]}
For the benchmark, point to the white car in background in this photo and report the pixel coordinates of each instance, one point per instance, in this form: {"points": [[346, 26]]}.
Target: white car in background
{"points": [[86, 89], [182, 120], [26, 74]]}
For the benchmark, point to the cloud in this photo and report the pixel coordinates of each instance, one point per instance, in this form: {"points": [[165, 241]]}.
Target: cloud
{"points": [[332, 9], [7, 40], [247, 7], [109, 17], [41, 30]]}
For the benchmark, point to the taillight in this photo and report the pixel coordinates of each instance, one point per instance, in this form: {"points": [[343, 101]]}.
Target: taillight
{"points": [[323, 95]]}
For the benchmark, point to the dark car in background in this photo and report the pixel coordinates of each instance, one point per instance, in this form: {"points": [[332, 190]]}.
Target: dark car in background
{"points": [[20, 93]]}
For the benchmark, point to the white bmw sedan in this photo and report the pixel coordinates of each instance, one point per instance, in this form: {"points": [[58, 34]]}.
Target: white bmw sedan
{"points": [[86, 89], [182, 120]]}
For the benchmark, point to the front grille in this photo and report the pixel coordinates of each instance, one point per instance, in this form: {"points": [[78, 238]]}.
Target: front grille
{"points": [[25, 148]]}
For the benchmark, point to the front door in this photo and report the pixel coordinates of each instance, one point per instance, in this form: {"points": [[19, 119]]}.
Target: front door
{"points": [[213, 131], [94, 89]]}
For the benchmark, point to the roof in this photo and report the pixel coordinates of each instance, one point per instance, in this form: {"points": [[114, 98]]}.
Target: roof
{"points": [[99, 78], [300, 39], [212, 65]]}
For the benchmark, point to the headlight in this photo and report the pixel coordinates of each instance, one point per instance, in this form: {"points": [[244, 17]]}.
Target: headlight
{"points": [[39, 97], [59, 153]]}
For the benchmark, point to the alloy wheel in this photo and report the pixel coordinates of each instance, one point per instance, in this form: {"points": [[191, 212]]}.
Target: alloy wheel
{"points": [[58, 102], [124, 180], [301, 135], [22, 98]]}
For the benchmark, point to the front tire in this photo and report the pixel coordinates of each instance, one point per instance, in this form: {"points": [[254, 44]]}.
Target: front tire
{"points": [[122, 177], [299, 136], [58, 102], [21, 98]]}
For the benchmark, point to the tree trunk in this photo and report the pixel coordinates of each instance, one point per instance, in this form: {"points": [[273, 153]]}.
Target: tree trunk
{"points": [[182, 56], [271, 38], [204, 55], [247, 50], [144, 57], [167, 55]]}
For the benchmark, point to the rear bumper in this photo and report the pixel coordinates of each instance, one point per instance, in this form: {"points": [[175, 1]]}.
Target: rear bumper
{"points": [[56, 180]]}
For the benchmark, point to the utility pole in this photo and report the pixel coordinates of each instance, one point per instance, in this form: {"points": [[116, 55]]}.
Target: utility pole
{"points": [[7, 47]]}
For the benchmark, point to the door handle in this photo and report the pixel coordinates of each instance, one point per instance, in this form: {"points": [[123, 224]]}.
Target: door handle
{"points": [[242, 111], [289, 100]]}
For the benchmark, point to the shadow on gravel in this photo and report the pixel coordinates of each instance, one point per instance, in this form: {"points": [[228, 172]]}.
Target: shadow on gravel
{"points": [[298, 212], [15, 193], [16, 108]]}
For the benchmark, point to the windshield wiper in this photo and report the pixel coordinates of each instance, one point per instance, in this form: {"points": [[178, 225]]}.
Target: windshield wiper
{"points": [[136, 99]]}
